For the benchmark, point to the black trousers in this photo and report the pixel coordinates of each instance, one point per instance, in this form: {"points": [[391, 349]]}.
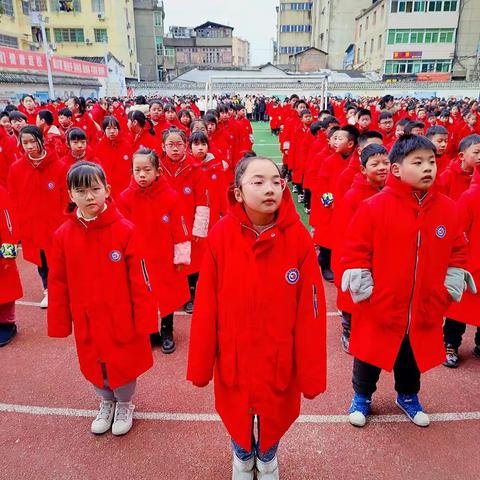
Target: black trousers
{"points": [[405, 370], [192, 283], [453, 332], [307, 197], [43, 270], [325, 258]]}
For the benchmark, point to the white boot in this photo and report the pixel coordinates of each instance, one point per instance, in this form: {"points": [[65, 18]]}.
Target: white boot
{"points": [[103, 420], [123, 418], [242, 470], [268, 470], [44, 302]]}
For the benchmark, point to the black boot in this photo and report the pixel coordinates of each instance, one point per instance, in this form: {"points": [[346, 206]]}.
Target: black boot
{"points": [[155, 339], [166, 333]]}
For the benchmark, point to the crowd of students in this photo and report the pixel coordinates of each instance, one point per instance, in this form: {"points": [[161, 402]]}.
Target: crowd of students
{"points": [[122, 204]]}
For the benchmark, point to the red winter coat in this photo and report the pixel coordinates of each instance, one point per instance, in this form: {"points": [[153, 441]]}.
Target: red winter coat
{"points": [[326, 181], [454, 180], [145, 139], [468, 310], [216, 183], [347, 177], [188, 180], [99, 283], [11, 289], [85, 122], [7, 155], [116, 159], [244, 143], [259, 323], [160, 224], [342, 216], [39, 197], [300, 144], [54, 140], [408, 246]]}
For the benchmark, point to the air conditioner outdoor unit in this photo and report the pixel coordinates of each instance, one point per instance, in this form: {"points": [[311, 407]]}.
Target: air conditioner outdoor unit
{"points": [[88, 41], [101, 16], [53, 46]]}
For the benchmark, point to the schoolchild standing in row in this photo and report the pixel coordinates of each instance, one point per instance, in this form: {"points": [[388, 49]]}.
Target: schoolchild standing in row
{"points": [[402, 298], [100, 290], [78, 148], [265, 353], [188, 181], [36, 184], [154, 208]]}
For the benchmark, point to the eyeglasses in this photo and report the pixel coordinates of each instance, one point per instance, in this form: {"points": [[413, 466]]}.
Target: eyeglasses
{"points": [[83, 192], [260, 184], [174, 144]]}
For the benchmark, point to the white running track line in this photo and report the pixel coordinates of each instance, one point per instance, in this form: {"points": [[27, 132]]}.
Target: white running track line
{"points": [[179, 312], [210, 417]]}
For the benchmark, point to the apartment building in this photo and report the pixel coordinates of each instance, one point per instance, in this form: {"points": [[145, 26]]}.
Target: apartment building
{"points": [[74, 28], [209, 44], [294, 29], [425, 39], [149, 16], [333, 27], [240, 52]]}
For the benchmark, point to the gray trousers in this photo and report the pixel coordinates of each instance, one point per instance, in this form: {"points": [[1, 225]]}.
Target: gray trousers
{"points": [[120, 394]]}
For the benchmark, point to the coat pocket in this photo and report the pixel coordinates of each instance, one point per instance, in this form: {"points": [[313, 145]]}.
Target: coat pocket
{"points": [[227, 361], [81, 324], [284, 367], [122, 326]]}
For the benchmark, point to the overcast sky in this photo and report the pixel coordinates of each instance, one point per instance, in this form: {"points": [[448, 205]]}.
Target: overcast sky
{"points": [[252, 20]]}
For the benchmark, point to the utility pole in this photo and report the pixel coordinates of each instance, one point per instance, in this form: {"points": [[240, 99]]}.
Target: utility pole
{"points": [[51, 91]]}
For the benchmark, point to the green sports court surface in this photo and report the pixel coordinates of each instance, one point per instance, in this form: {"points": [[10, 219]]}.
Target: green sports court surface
{"points": [[267, 145]]}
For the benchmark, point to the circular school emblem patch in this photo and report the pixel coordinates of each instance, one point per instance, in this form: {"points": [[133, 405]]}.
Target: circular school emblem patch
{"points": [[51, 185], [292, 276], [84, 127], [214, 176], [166, 218], [441, 231], [187, 190], [125, 157], [115, 256]]}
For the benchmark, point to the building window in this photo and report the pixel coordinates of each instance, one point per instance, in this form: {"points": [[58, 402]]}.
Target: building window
{"points": [[34, 6], [296, 6], [435, 6], [424, 35], [65, 6], [417, 66], [450, 6], [420, 6], [100, 35], [169, 52], [6, 7], [8, 41], [159, 45], [295, 28], [69, 35], [98, 6], [158, 19]]}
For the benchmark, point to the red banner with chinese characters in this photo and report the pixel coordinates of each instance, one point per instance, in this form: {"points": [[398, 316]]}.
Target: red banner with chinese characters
{"points": [[407, 55], [26, 60]]}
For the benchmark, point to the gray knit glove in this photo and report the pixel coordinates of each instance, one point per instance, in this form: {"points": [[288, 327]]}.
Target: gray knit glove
{"points": [[457, 281], [360, 283]]}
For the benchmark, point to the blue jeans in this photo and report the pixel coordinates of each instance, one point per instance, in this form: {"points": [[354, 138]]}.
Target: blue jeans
{"points": [[244, 455]]}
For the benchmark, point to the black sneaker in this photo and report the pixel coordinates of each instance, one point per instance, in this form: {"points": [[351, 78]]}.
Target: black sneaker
{"points": [[451, 360], [155, 339], [476, 351], [7, 332], [188, 307], [346, 340], [327, 274], [168, 344]]}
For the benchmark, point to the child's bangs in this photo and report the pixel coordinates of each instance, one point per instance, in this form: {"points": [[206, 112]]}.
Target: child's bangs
{"points": [[84, 176]]}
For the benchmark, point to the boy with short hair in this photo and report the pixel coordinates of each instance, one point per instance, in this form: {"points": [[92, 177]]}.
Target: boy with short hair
{"points": [[414, 128], [374, 167], [438, 135], [344, 142], [385, 125], [457, 177], [65, 120], [408, 289], [364, 120]]}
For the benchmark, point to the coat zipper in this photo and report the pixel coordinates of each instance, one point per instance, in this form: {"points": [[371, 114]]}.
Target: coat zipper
{"points": [[145, 275], [9, 223], [414, 275], [315, 300]]}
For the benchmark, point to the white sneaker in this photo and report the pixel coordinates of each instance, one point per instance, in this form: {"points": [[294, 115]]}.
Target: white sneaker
{"points": [[44, 302], [123, 418], [243, 470], [104, 418], [268, 470]]}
